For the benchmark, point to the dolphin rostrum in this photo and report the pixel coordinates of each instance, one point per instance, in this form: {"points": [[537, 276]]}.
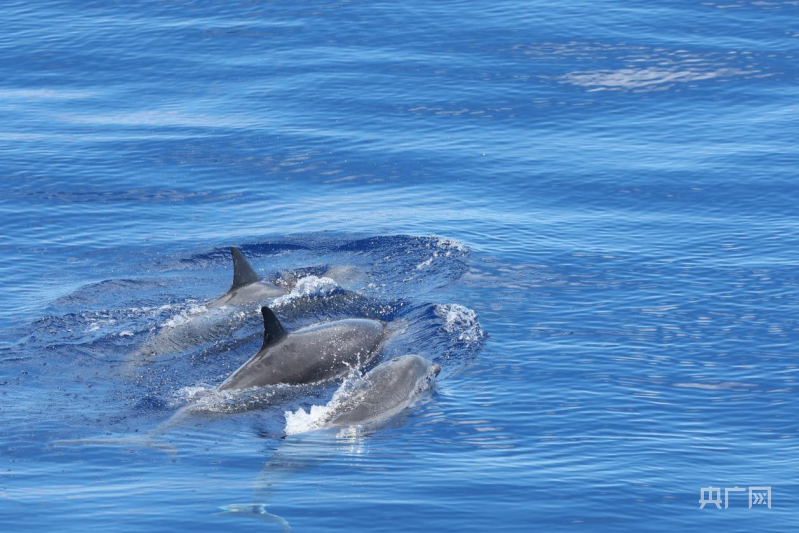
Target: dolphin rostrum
{"points": [[312, 354]]}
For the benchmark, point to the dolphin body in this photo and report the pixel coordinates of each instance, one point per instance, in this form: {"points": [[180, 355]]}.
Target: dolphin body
{"points": [[312, 354], [218, 319], [224, 316], [377, 397], [383, 392]]}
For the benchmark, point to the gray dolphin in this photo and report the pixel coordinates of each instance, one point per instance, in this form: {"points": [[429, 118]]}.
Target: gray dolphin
{"points": [[378, 396], [247, 286], [218, 319], [224, 316], [312, 354], [383, 392]]}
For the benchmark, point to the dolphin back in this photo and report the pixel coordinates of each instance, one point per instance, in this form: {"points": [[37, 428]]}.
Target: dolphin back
{"points": [[385, 391], [247, 286], [311, 355]]}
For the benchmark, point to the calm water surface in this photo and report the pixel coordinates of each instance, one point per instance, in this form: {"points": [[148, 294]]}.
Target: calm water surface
{"points": [[584, 211]]}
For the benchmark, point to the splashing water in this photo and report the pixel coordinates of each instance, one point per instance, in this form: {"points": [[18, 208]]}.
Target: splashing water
{"points": [[307, 287], [302, 421], [460, 321]]}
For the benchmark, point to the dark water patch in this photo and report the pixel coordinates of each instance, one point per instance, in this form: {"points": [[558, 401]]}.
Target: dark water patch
{"points": [[222, 256], [114, 289]]}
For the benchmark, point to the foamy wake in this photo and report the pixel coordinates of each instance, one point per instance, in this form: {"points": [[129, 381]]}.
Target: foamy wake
{"points": [[185, 316], [98, 321], [451, 245], [307, 287], [443, 248], [460, 321]]}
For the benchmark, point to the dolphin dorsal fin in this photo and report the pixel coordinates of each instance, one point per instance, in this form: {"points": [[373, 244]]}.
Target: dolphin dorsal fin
{"points": [[243, 274], [273, 329]]}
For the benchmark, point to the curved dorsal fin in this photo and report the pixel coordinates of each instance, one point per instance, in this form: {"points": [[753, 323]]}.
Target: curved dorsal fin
{"points": [[243, 274], [273, 329]]}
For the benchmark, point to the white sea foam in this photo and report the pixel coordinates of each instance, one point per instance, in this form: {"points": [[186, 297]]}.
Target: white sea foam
{"points": [[442, 247], [184, 316], [302, 421], [451, 244], [98, 323], [425, 264], [307, 287], [460, 321]]}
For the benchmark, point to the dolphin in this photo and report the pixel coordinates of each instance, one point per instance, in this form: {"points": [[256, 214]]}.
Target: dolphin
{"points": [[254, 510], [312, 354], [385, 391], [381, 394], [247, 286], [218, 319], [222, 317]]}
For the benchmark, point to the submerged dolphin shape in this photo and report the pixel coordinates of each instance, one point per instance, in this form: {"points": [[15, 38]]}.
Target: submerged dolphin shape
{"points": [[247, 286], [257, 511], [308, 355]]}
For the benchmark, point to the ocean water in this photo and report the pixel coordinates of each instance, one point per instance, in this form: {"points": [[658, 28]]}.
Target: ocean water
{"points": [[584, 211]]}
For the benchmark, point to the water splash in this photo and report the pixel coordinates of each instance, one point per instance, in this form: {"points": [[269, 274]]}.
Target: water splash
{"points": [[450, 245], [307, 287], [185, 316], [302, 421], [461, 321]]}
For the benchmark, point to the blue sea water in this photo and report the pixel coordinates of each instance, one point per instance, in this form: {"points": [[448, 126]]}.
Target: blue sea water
{"points": [[585, 211]]}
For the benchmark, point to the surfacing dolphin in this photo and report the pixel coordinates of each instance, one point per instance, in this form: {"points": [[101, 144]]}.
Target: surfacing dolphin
{"points": [[218, 319], [247, 286], [222, 317], [385, 391], [312, 354], [379, 395]]}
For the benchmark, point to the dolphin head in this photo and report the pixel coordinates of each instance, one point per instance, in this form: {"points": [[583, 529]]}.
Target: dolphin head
{"points": [[384, 392]]}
